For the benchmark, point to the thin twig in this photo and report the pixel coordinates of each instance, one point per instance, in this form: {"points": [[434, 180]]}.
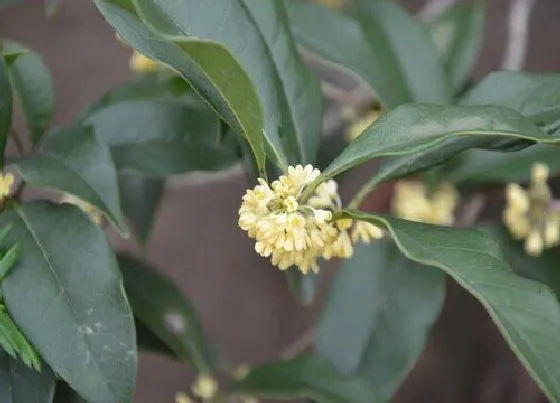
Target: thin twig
{"points": [[17, 141], [470, 210], [299, 345], [518, 34]]}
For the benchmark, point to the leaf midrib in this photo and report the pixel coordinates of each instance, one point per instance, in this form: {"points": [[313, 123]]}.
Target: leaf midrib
{"points": [[41, 248]]}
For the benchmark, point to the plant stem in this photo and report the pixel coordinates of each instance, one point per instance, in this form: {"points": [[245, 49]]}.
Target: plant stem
{"points": [[366, 189], [17, 141]]}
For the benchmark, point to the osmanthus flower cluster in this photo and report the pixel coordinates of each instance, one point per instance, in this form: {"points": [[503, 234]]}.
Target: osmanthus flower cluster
{"points": [[293, 231], [414, 201], [528, 214]]}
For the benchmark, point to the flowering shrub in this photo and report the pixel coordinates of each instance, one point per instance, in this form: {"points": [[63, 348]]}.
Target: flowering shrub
{"points": [[222, 83]]}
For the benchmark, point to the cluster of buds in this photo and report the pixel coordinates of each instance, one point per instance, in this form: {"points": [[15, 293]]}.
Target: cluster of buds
{"points": [[413, 201], [6, 183], [528, 214], [205, 387], [294, 231]]}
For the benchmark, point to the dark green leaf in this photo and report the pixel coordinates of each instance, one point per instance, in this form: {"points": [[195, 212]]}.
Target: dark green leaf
{"points": [[148, 341], [159, 305], [76, 162], [78, 318], [382, 44], [65, 394], [207, 65], [5, 108], [162, 137], [11, 55], [425, 135], [480, 166], [526, 312], [543, 269], [153, 86], [20, 384], [458, 35], [140, 198], [514, 89], [34, 89], [310, 377], [289, 93], [378, 314]]}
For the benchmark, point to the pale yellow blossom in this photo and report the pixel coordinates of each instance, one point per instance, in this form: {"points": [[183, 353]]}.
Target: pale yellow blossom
{"points": [[366, 232], [358, 127], [86, 207], [413, 201], [527, 214], [296, 232], [142, 64], [6, 182], [205, 387], [182, 397]]}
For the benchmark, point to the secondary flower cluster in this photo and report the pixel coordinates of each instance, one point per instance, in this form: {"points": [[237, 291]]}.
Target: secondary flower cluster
{"points": [[528, 215], [413, 201], [296, 232]]}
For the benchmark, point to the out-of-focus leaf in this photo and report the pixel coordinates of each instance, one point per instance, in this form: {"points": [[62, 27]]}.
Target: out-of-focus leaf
{"points": [[309, 376], [33, 87], [140, 198], [21, 384], [458, 35], [6, 104], [161, 307], [378, 314]]}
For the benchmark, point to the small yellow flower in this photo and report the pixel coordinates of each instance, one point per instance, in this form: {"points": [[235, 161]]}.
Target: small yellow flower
{"points": [[205, 387], [6, 182], [527, 214], [358, 127], [142, 64], [182, 397], [292, 231], [366, 232], [86, 207], [412, 201]]}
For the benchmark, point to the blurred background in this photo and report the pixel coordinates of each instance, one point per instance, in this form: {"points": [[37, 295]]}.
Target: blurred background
{"points": [[247, 309]]}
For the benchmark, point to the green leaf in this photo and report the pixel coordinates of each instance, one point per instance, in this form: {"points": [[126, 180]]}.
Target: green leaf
{"points": [[514, 89], [149, 342], [526, 312], [162, 137], [208, 67], [78, 318], [378, 314], [458, 35], [20, 384], [8, 260], [34, 89], [140, 198], [480, 166], [543, 269], [153, 86], [309, 377], [5, 108], [425, 135], [76, 162], [15, 344], [159, 305], [290, 95], [381, 43]]}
